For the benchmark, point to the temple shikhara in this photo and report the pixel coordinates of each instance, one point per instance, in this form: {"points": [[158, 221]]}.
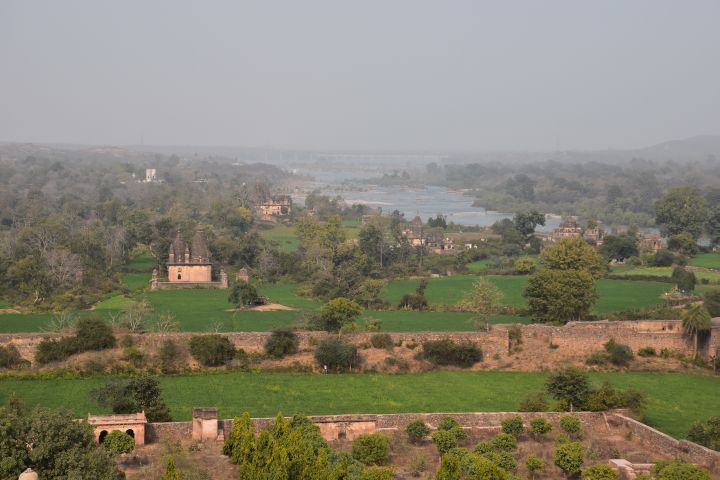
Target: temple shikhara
{"points": [[189, 265]]}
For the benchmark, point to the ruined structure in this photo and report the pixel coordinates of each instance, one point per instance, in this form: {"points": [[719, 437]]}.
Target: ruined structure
{"points": [[594, 236], [242, 275], [205, 424], [133, 424], [650, 242], [568, 228], [274, 206], [150, 175], [438, 242], [189, 265]]}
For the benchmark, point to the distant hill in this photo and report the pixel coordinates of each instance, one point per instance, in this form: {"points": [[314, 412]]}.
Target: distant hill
{"points": [[693, 148]]}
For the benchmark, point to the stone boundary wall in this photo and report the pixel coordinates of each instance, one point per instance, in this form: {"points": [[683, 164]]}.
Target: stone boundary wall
{"points": [[667, 445], [576, 338], [348, 427]]}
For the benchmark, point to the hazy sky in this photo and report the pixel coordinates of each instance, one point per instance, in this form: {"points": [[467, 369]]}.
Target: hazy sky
{"points": [[385, 74]]}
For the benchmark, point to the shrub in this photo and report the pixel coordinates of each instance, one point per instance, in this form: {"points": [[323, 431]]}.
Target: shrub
{"points": [[417, 430], [169, 354], [513, 425], [93, 334], [9, 356], [51, 350], [679, 470], [664, 258], [534, 464], [336, 353], [444, 440], [706, 433], [447, 352], [382, 340], [371, 449], [119, 442], [449, 424], [599, 472], [535, 402], [620, 355], [569, 457], [504, 442], [598, 358], [570, 424], [485, 447], [281, 342], [540, 426], [211, 350], [504, 460], [647, 352]]}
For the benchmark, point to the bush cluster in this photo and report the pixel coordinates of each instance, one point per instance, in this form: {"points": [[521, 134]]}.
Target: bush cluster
{"points": [[382, 340], [447, 352], [9, 357], [119, 442], [211, 350], [337, 354], [90, 334], [281, 342], [417, 430], [706, 433], [371, 449]]}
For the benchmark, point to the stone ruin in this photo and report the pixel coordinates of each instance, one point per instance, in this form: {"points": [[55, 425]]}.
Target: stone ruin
{"points": [[133, 424]]}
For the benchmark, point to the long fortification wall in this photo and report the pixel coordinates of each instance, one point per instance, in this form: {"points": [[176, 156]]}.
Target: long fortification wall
{"points": [[578, 338]]}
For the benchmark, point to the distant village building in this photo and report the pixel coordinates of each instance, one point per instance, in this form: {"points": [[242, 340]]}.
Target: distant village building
{"points": [[438, 243], [568, 228], [150, 175], [594, 236], [273, 207], [189, 265], [415, 232], [650, 242]]}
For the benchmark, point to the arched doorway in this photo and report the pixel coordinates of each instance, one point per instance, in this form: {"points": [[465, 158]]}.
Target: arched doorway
{"points": [[130, 432], [102, 436]]}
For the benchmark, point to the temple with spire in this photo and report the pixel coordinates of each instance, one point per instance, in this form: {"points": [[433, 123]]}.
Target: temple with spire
{"points": [[189, 265]]}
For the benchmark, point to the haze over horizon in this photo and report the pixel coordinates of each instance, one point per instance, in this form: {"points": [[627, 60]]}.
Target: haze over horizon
{"points": [[403, 75]]}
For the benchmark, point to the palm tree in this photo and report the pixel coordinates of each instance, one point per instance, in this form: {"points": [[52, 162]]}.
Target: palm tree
{"points": [[695, 320]]}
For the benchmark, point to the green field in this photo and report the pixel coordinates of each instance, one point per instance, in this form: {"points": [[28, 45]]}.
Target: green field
{"points": [[202, 310], [615, 295], [676, 400], [661, 272], [477, 266], [706, 260]]}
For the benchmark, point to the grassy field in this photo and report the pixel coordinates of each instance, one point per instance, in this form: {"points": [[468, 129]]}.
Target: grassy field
{"points": [[614, 295], [477, 266], [661, 272], [676, 400], [706, 260], [201, 310]]}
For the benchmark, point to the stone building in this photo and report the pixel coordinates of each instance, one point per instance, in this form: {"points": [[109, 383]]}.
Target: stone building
{"points": [[151, 175], [568, 228], [594, 236], [274, 206], [415, 232], [650, 242], [189, 265], [133, 424], [439, 243]]}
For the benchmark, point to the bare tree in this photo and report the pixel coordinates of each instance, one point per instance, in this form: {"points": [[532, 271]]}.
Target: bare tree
{"points": [[61, 321], [63, 267], [135, 315], [167, 323]]}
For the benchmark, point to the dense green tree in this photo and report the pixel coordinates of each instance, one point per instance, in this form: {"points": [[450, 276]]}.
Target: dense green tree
{"points": [[573, 254], [684, 279], [171, 471], [338, 313], [706, 433], [683, 243], [336, 353], [619, 247], [527, 222], [599, 472], [141, 393], [682, 210], [570, 385], [560, 295], [569, 457], [679, 470], [62, 448], [243, 294], [211, 350], [712, 302]]}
